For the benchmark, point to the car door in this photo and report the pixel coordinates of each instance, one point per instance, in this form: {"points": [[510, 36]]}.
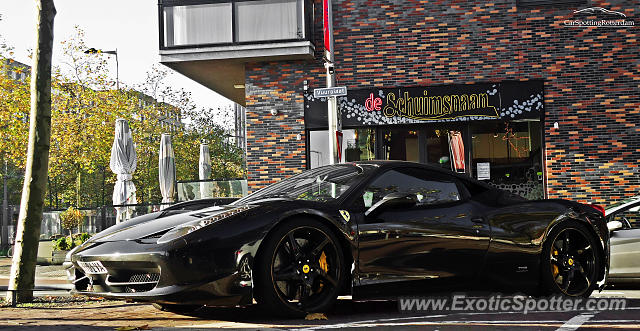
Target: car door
{"points": [[440, 237], [625, 244]]}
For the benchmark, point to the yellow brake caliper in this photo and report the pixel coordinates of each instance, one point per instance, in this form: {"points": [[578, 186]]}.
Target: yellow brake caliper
{"points": [[324, 266], [323, 262], [554, 268]]}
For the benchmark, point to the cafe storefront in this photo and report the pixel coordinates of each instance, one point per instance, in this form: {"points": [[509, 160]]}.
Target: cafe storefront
{"points": [[490, 131]]}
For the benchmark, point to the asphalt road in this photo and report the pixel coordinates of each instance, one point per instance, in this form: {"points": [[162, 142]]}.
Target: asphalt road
{"points": [[346, 315]]}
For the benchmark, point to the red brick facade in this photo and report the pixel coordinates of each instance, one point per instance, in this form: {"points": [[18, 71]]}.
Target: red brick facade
{"points": [[591, 74]]}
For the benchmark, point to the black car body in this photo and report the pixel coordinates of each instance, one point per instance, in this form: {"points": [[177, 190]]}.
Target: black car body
{"points": [[467, 235]]}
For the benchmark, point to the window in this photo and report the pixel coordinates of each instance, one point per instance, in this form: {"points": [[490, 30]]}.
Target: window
{"points": [[508, 155], [198, 24], [428, 191], [268, 20], [217, 22]]}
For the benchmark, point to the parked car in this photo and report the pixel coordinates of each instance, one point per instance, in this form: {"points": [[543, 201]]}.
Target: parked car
{"points": [[624, 222], [371, 229]]}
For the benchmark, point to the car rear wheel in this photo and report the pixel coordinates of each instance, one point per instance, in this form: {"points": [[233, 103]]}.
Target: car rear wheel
{"points": [[300, 269], [570, 261]]}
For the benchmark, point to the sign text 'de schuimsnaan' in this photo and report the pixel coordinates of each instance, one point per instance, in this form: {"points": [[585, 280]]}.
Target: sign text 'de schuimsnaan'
{"points": [[511, 100]]}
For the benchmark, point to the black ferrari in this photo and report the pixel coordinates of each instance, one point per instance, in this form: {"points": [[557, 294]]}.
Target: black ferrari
{"points": [[377, 229]]}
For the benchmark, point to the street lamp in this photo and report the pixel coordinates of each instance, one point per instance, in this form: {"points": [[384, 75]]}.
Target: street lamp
{"points": [[99, 51]]}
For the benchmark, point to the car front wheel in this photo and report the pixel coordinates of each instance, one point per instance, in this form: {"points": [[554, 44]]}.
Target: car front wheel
{"points": [[300, 269]]}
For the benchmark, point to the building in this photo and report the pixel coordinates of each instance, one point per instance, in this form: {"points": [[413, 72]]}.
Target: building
{"points": [[540, 97], [16, 69], [168, 116]]}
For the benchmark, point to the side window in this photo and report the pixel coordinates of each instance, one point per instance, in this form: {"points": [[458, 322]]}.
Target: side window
{"points": [[630, 218], [428, 190]]}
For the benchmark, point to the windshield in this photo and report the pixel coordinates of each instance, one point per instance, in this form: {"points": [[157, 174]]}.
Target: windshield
{"points": [[623, 202], [320, 184]]}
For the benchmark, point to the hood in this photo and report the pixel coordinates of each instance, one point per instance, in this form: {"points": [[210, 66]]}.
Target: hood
{"points": [[154, 223]]}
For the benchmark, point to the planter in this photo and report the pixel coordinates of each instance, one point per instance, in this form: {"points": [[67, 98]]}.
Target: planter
{"points": [[57, 257]]}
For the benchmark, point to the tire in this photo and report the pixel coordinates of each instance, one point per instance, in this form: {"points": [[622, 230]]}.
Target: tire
{"points": [[570, 261], [177, 309], [300, 269]]}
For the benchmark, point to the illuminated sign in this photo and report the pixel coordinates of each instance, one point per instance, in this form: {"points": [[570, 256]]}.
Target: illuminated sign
{"points": [[426, 107], [510, 100], [372, 103]]}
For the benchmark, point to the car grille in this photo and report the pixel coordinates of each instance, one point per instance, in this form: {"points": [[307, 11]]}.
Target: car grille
{"points": [[130, 278], [142, 282]]}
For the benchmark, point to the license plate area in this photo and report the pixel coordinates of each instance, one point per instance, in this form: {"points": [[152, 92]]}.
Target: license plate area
{"points": [[92, 267]]}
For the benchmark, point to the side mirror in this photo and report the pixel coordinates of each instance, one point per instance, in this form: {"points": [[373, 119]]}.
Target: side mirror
{"points": [[393, 200], [614, 225]]}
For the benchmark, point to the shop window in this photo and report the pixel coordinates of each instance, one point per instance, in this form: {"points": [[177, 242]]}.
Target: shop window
{"points": [[508, 155], [360, 144], [357, 145]]}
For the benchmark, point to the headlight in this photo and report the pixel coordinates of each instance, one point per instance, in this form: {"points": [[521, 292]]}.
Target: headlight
{"points": [[185, 229]]}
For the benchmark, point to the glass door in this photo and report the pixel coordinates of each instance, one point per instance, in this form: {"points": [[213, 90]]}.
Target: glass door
{"points": [[400, 144], [445, 147]]}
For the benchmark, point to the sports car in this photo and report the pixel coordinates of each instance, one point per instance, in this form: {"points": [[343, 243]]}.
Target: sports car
{"points": [[373, 229]]}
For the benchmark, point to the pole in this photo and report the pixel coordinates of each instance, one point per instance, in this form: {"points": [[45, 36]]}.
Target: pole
{"points": [[334, 122], [117, 70], [5, 209], [332, 109]]}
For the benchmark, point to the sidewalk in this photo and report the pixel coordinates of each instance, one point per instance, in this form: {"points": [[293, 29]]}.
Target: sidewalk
{"points": [[46, 275]]}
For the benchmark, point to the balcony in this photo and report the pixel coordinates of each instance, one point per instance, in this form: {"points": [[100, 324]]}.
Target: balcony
{"points": [[210, 41]]}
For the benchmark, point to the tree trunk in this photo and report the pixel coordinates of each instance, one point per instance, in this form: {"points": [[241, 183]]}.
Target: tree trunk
{"points": [[22, 279]]}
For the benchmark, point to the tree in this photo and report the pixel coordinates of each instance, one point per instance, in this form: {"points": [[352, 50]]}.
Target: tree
{"points": [[22, 279], [84, 108]]}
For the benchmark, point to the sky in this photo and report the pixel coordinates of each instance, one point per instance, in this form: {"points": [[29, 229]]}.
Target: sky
{"points": [[131, 26]]}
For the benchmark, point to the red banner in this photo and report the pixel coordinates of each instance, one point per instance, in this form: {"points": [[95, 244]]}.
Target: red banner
{"points": [[326, 27], [339, 143], [457, 151]]}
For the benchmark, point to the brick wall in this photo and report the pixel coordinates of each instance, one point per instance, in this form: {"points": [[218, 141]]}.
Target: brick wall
{"points": [[273, 149], [592, 81]]}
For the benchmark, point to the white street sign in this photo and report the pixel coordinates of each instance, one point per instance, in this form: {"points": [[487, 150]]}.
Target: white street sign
{"points": [[330, 92]]}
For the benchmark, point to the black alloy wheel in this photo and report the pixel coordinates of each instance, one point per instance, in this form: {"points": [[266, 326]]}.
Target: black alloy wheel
{"points": [[301, 269], [572, 261]]}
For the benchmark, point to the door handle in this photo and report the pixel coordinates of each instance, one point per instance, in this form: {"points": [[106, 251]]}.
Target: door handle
{"points": [[478, 220]]}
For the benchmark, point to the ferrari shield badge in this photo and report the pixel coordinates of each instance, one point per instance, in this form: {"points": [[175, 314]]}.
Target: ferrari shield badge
{"points": [[345, 214]]}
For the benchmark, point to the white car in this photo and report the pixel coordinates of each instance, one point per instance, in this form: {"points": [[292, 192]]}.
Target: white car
{"points": [[623, 220]]}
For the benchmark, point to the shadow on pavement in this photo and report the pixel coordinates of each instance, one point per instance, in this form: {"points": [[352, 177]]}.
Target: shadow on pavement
{"points": [[254, 314]]}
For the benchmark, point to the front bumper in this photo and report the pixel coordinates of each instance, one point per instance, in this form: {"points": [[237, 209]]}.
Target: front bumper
{"points": [[139, 271]]}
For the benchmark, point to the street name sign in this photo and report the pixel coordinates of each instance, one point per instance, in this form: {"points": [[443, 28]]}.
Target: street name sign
{"points": [[330, 92]]}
